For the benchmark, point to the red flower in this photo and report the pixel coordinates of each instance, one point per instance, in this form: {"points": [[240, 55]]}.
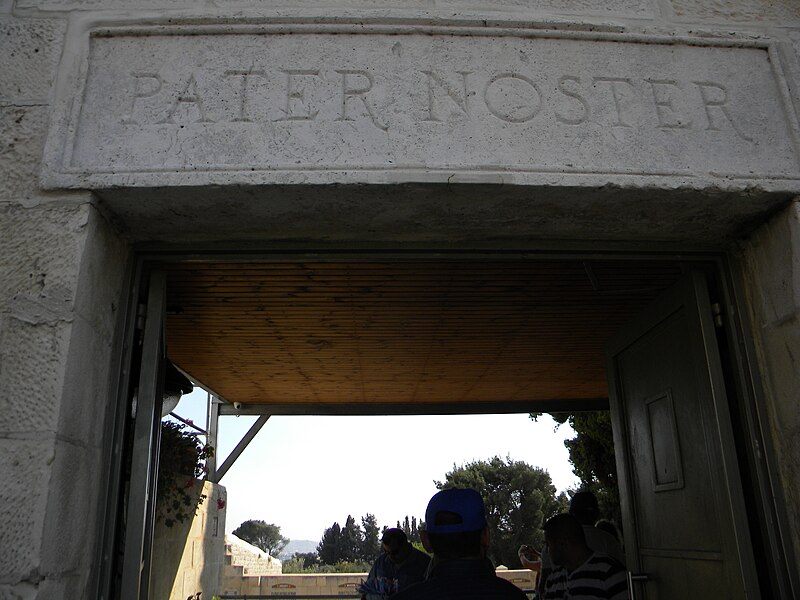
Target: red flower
{"points": [[189, 483]]}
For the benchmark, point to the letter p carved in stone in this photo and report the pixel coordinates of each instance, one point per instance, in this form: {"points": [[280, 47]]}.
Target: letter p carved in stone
{"points": [[146, 85]]}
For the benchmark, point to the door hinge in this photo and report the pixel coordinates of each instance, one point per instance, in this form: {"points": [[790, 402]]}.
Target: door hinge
{"points": [[141, 315], [716, 312]]}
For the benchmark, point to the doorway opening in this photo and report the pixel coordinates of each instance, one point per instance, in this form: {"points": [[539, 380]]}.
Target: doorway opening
{"points": [[408, 334]]}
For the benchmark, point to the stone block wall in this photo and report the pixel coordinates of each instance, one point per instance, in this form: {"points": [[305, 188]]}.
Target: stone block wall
{"points": [[524, 579], [31, 50], [332, 584], [61, 272], [247, 559], [298, 585], [188, 557]]}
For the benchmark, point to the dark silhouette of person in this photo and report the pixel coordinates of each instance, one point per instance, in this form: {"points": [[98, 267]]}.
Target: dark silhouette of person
{"points": [[399, 566], [457, 533], [580, 573], [584, 508]]}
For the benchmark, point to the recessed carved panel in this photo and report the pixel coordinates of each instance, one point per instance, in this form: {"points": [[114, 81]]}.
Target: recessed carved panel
{"points": [[743, 11], [256, 105], [664, 443]]}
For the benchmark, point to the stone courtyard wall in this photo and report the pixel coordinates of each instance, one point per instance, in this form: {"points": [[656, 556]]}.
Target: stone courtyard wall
{"points": [[242, 558], [332, 584], [188, 557]]}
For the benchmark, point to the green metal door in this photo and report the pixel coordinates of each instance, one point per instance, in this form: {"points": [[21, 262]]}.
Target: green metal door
{"points": [[686, 534]]}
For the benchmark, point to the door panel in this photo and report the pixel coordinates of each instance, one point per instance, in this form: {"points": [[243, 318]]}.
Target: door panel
{"points": [[684, 520]]}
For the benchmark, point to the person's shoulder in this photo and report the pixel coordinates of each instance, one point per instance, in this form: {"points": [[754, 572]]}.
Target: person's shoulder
{"points": [[418, 558], [605, 561], [599, 536], [602, 541], [555, 581], [419, 553], [429, 589], [511, 591], [502, 588], [609, 573], [380, 564]]}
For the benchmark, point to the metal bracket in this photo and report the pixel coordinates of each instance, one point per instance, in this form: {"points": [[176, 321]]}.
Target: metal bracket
{"points": [[237, 452]]}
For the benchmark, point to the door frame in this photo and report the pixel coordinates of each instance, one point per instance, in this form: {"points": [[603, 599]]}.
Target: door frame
{"points": [[766, 509]]}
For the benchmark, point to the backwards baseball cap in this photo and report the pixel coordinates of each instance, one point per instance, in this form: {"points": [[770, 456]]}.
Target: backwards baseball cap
{"points": [[455, 510]]}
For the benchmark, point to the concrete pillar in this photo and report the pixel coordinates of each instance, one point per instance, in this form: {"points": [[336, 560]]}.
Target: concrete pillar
{"points": [[61, 272], [771, 265]]}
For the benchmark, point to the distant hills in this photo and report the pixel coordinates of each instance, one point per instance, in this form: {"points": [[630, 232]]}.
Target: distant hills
{"points": [[298, 546]]}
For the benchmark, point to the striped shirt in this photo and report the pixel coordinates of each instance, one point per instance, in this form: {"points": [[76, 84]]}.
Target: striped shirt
{"points": [[599, 578]]}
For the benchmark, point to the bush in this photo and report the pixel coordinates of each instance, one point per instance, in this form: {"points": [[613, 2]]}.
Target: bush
{"points": [[181, 462], [297, 564]]}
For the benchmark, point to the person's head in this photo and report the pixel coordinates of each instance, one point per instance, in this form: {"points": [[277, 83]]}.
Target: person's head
{"points": [[564, 537], [455, 524], [583, 507], [395, 543]]}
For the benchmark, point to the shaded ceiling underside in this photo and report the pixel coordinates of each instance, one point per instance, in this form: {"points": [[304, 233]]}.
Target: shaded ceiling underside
{"points": [[421, 333]]}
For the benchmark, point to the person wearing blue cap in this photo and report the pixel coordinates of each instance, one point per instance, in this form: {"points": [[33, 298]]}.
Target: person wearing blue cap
{"points": [[457, 534]]}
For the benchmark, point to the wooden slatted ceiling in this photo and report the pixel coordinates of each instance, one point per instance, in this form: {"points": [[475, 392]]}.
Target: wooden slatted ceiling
{"points": [[410, 332]]}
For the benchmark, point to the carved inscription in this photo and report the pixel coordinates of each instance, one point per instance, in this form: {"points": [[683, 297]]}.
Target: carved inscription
{"points": [[253, 102], [510, 97]]}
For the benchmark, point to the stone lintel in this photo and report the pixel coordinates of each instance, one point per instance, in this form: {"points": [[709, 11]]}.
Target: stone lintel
{"points": [[338, 103]]}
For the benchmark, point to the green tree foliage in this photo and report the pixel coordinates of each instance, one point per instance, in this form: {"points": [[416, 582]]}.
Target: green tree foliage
{"points": [[309, 559], [301, 562], [371, 542], [262, 535], [329, 547], [411, 529], [352, 543], [591, 453], [352, 566], [518, 498], [294, 566], [352, 539]]}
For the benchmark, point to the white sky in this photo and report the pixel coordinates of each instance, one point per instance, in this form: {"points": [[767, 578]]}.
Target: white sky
{"points": [[304, 473]]}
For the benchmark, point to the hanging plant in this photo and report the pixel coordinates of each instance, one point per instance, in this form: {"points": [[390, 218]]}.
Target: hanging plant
{"points": [[181, 463]]}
